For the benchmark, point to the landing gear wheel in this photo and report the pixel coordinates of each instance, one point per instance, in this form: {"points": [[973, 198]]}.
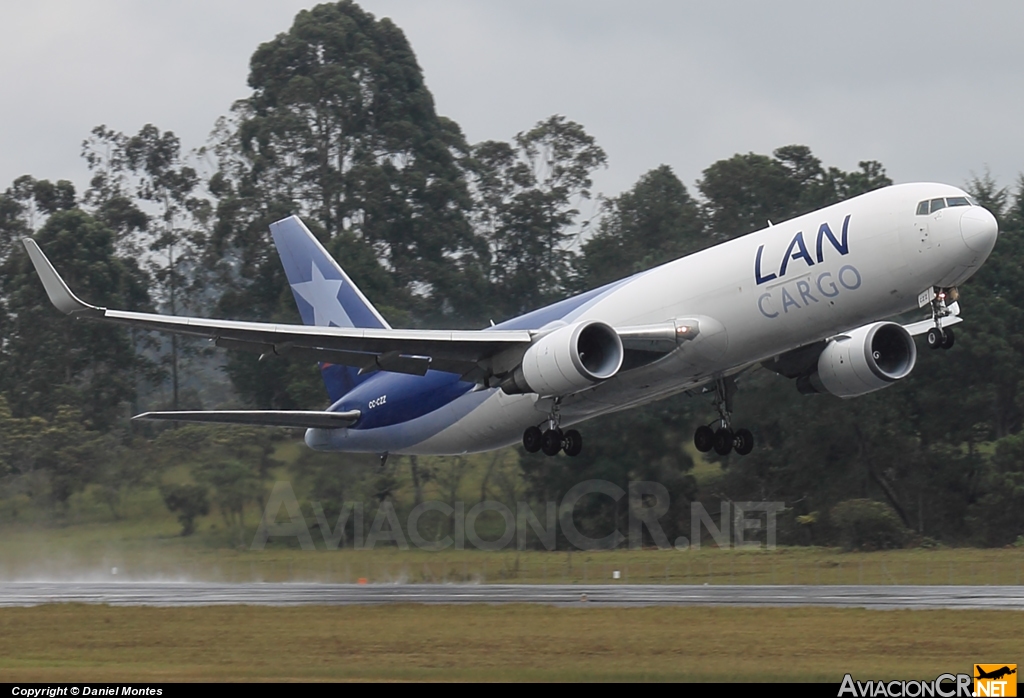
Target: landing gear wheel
{"points": [[723, 441], [532, 439], [934, 338], [704, 439], [743, 442], [947, 340], [573, 443], [551, 442]]}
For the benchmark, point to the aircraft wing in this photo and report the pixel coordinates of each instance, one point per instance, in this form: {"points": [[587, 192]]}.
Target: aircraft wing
{"points": [[265, 418], [403, 351]]}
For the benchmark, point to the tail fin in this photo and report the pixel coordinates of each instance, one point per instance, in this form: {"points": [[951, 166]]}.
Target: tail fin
{"points": [[326, 297]]}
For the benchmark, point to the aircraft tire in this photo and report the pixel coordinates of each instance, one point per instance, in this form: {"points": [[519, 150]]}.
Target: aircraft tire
{"points": [[551, 442], [723, 441], [743, 442], [573, 443], [934, 338], [704, 438], [532, 439], [947, 339]]}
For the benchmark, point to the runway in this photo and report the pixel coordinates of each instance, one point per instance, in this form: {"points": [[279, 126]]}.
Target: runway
{"points": [[292, 594]]}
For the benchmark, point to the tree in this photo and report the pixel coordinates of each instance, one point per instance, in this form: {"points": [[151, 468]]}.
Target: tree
{"points": [[643, 444], [654, 222], [49, 360], [867, 524], [235, 462], [989, 194], [187, 501], [526, 195], [340, 128], [145, 190], [109, 196], [745, 192], [58, 457]]}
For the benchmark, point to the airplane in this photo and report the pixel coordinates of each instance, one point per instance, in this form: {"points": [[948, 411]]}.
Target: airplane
{"points": [[996, 674], [807, 298]]}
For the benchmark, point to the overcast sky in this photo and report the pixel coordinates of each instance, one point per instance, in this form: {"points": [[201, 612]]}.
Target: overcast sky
{"points": [[933, 90]]}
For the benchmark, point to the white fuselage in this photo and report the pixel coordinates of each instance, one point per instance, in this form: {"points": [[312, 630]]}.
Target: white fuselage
{"points": [[754, 297]]}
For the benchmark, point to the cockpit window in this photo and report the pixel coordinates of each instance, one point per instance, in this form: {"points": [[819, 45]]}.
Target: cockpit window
{"points": [[926, 206]]}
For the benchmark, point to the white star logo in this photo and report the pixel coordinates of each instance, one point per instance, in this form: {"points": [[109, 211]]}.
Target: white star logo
{"points": [[322, 294]]}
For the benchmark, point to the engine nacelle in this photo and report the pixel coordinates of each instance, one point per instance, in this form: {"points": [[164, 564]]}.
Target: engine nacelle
{"points": [[867, 359], [567, 360]]}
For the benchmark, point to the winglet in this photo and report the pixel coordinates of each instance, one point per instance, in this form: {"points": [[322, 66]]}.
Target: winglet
{"points": [[58, 291]]}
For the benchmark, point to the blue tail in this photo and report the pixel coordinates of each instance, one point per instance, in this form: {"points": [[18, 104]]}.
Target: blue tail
{"points": [[325, 295]]}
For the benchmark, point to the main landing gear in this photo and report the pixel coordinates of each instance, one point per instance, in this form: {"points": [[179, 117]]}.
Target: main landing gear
{"points": [[940, 337], [553, 440], [723, 439]]}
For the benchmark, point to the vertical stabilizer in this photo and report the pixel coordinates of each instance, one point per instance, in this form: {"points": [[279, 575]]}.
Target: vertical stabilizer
{"points": [[326, 297]]}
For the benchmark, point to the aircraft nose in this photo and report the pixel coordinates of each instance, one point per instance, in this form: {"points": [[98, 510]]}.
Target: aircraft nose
{"points": [[979, 229]]}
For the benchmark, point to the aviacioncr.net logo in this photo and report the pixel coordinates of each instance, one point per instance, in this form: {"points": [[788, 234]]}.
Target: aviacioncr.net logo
{"points": [[944, 686], [995, 680]]}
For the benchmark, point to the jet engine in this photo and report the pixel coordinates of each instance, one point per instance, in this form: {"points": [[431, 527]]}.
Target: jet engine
{"points": [[866, 359], [567, 360]]}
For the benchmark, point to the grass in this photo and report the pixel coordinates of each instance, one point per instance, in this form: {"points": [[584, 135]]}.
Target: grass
{"points": [[156, 551], [478, 642], [86, 542]]}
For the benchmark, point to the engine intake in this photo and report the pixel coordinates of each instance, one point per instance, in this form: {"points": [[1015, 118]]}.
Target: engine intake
{"points": [[567, 360], [866, 359]]}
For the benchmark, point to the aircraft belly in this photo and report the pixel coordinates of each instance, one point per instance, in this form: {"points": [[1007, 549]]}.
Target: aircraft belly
{"points": [[497, 422]]}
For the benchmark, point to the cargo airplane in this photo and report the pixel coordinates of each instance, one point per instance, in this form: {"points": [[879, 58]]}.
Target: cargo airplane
{"points": [[808, 298]]}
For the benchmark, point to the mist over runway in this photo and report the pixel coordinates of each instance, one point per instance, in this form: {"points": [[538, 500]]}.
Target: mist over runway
{"points": [[130, 593]]}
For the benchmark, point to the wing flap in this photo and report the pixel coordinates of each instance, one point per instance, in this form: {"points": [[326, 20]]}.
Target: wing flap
{"points": [[267, 418]]}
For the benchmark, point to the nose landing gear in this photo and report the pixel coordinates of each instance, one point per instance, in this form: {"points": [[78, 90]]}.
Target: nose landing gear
{"points": [[724, 440], [553, 440], [940, 337]]}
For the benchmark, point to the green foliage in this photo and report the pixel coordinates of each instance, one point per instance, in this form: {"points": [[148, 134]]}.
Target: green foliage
{"points": [[235, 463], [340, 127], [743, 193], [526, 193], [230, 465], [645, 444], [655, 222], [47, 361], [188, 502], [865, 524], [124, 466], [997, 518], [59, 452], [143, 189]]}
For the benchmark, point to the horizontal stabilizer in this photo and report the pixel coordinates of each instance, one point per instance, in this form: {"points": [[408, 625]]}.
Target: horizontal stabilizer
{"points": [[265, 418]]}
